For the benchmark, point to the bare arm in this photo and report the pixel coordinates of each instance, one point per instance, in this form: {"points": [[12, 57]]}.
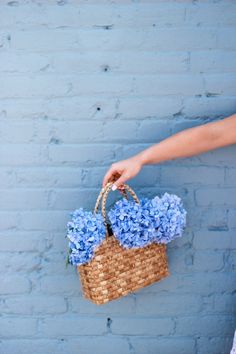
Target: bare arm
{"points": [[187, 143], [192, 141]]}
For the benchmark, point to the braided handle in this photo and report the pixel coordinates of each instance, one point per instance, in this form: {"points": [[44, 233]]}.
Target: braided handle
{"points": [[104, 194], [100, 197]]}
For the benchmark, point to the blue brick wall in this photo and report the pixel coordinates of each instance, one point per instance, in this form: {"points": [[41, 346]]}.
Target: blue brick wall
{"points": [[84, 84]]}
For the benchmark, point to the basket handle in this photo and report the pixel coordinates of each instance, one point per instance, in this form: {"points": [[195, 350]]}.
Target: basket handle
{"points": [[102, 191], [123, 192], [104, 194]]}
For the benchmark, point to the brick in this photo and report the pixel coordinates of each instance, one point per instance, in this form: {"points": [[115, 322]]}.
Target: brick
{"points": [[121, 16], [211, 280], [52, 176], [76, 62], [116, 131], [142, 326], [58, 242], [86, 107], [232, 218], [46, 346], [180, 260], [12, 327], [208, 261], [231, 266], [199, 283], [228, 33], [220, 84], [20, 62], [215, 345], [185, 84], [14, 284], [48, 133], [73, 198], [214, 240], [22, 346], [17, 132], [9, 221], [230, 176], [219, 196], [159, 62], [54, 263], [158, 107], [60, 284], [66, 85], [224, 304], [29, 305], [122, 306], [72, 325], [214, 219], [183, 242], [8, 177], [149, 174], [16, 199], [207, 14], [135, 39], [23, 262], [17, 241], [13, 154], [33, 87], [212, 61], [164, 305], [163, 345], [191, 39], [149, 14], [191, 175], [58, 40], [223, 157], [210, 325], [208, 107], [103, 345], [153, 131], [80, 154], [44, 220], [59, 109]]}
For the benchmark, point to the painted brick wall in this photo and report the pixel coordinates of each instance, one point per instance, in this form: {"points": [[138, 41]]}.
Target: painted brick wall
{"points": [[86, 83]]}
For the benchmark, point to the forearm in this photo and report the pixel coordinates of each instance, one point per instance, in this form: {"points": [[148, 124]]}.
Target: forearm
{"points": [[192, 142]]}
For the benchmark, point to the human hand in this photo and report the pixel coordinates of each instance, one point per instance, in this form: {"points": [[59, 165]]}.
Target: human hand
{"points": [[121, 171]]}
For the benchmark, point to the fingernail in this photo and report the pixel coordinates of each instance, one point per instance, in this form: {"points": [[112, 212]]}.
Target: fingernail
{"points": [[114, 187]]}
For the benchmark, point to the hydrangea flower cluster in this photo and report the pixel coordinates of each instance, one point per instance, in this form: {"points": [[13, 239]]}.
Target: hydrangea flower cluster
{"points": [[172, 217], [135, 225], [85, 231], [158, 220]]}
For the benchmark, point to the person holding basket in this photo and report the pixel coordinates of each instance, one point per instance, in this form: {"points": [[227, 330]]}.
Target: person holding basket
{"points": [[187, 143]]}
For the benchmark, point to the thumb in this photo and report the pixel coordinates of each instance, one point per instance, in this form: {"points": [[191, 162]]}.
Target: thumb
{"points": [[123, 178]]}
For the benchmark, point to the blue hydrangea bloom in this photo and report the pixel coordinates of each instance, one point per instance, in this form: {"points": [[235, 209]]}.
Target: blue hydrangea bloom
{"points": [[85, 232], [133, 224], [158, 220], [172, 217]]}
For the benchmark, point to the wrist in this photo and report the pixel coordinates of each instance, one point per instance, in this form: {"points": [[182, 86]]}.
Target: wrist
{"points": [[141, 158]]}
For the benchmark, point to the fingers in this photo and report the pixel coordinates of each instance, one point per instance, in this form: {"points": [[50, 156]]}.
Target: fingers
{"points": [[108, 175], [123, 178], [117, 174]]}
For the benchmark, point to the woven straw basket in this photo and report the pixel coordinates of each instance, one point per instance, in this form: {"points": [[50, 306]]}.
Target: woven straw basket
{"points": [[115, 271]]}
